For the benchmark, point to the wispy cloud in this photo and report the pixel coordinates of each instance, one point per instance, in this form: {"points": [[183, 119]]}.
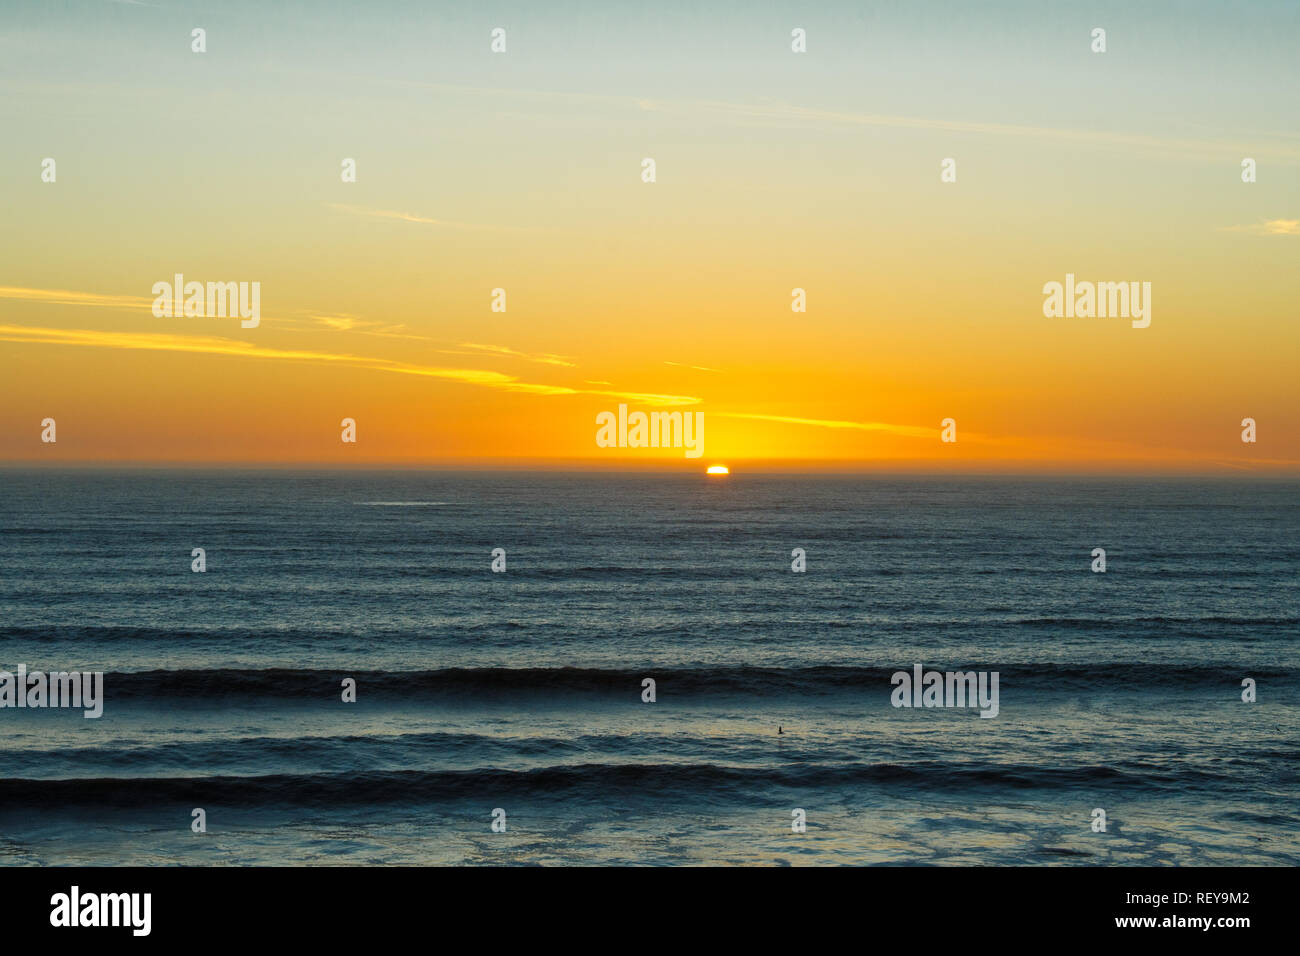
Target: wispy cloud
{"points": [[94, 299], [786, 114], [66, 297], [213, 345], [542, 358], [340, 323], [911, 431], [160, 342], [698, 368], [346, 322], [1270, 227], [401, 216], [309, 319], [390, 214], [303, 320]]}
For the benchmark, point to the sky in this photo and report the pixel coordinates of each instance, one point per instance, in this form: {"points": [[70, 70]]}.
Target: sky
{"points": [[774, 170]]}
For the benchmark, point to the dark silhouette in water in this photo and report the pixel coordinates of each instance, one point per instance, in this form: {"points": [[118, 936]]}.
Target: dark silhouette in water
{"points": [[779, 730]]}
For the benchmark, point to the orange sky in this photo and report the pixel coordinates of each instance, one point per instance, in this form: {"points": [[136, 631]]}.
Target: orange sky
{"points": [[924, 298]]}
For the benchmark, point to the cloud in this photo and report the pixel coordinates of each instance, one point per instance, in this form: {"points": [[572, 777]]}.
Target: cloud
{"points": [[698, 368], [213, 345], [347, 322], [542, 358], [1270, 227], [389, 214], [65, 297], [104, 301], [911, 431], [785, 114], [163, 342], [339, 322], [424, 220]]}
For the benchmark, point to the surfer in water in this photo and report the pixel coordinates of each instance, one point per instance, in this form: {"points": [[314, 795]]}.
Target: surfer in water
{"points": [[779, 731]]}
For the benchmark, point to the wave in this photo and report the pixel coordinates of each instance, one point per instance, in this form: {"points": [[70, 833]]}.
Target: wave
{"points": [[400, 504], [612, 784], [765, 617], [626, 683]]}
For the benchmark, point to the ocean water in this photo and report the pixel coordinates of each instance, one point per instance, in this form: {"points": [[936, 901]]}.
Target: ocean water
{"points": [[523, 690]]}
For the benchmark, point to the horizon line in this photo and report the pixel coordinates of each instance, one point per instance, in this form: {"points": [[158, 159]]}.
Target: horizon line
{"points": [[739, 467]]}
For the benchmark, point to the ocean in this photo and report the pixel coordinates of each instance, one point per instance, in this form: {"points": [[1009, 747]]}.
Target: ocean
{"points": [[485, 697]]}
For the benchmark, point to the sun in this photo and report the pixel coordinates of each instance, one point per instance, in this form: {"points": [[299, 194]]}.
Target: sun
{"points": [[718, 470]]}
